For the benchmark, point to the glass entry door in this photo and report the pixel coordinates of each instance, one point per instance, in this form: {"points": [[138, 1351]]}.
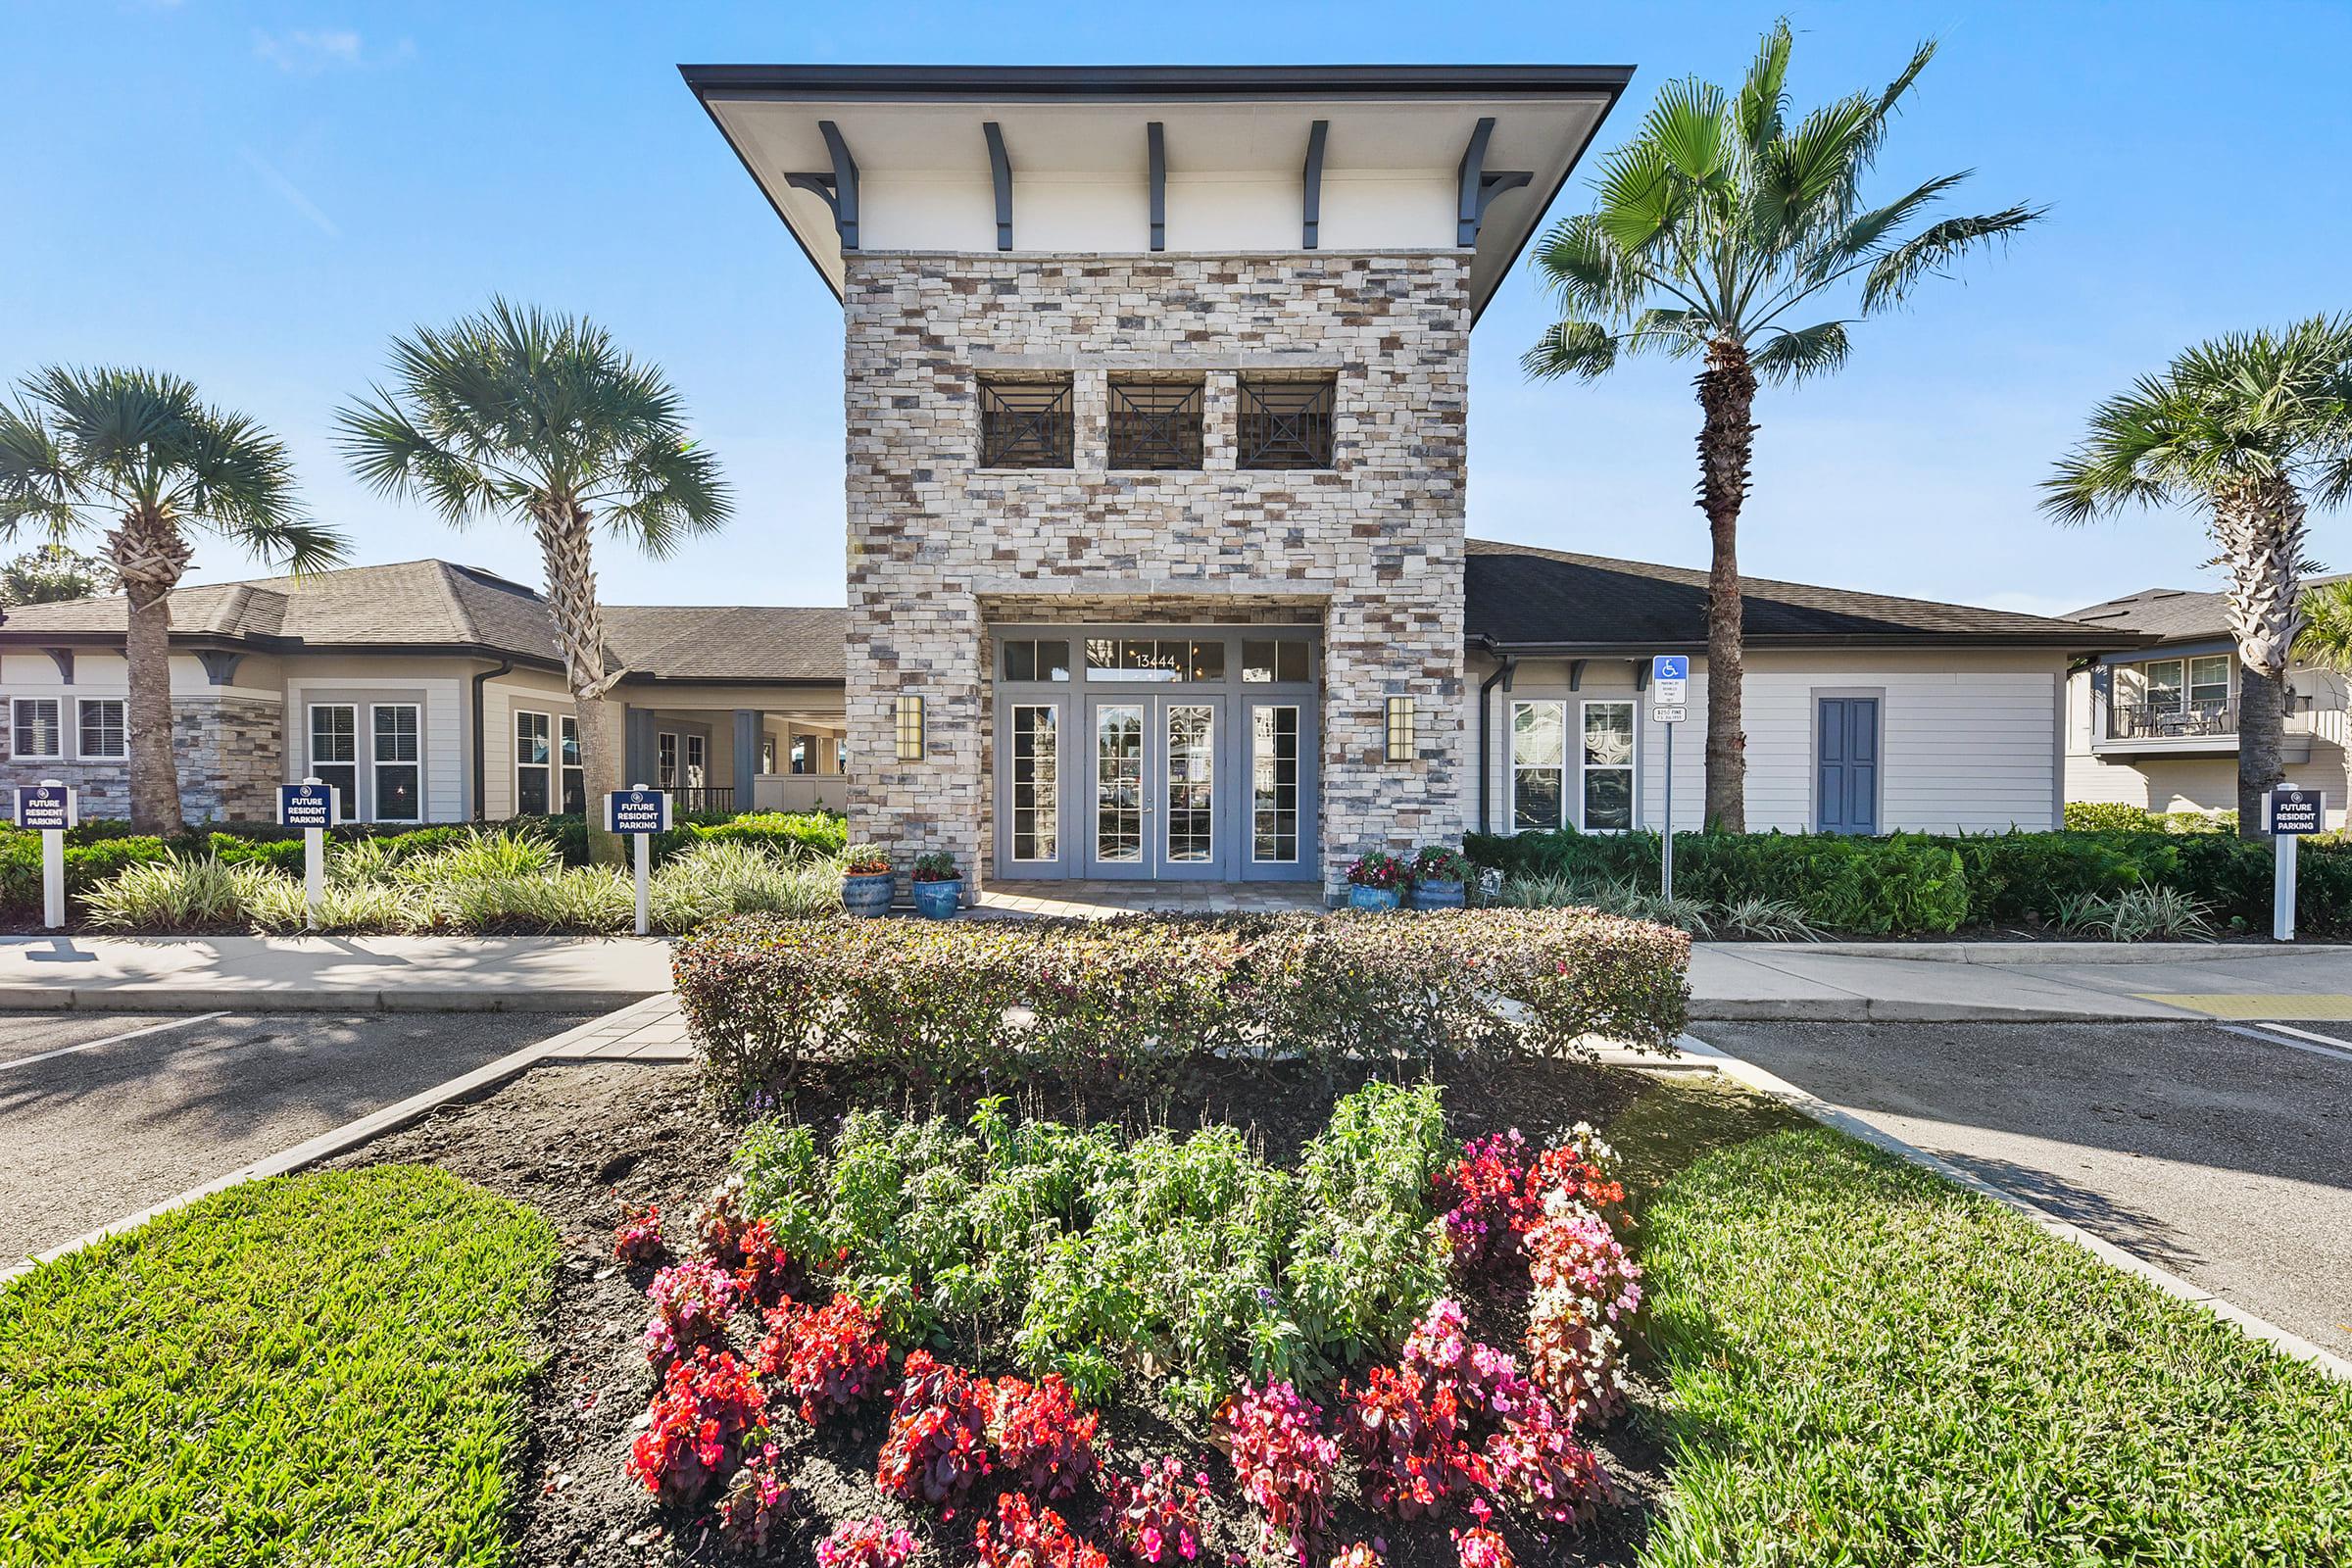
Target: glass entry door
{"points": [[1156, 799]]}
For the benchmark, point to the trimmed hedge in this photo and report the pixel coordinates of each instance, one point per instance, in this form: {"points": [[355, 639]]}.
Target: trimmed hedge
{"points": [[1094, 1000], [96, 851], [1908, 884]]}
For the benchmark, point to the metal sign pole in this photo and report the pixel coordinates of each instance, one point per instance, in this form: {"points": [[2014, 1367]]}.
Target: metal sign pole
{"points": [[52, 870], [314, 867], [1666, 839], [644, 890], [2283, 892]]}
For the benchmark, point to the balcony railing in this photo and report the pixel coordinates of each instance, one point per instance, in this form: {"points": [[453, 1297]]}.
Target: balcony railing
{"points": [[2166, 721], [700, 798]]}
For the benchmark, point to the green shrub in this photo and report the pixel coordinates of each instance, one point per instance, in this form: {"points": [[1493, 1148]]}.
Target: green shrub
{"points": [[1095, 1000], [2111, 816], [177, 892], [1175, 1263], [716, 877]]}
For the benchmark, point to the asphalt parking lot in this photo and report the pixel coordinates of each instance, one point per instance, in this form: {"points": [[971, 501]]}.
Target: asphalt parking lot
{"points": [[103, 1115], [2223, 1153]]}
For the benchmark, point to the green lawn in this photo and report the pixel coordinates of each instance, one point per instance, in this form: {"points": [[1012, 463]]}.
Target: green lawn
{"points": [[1871, 1366], [324, 1369]]}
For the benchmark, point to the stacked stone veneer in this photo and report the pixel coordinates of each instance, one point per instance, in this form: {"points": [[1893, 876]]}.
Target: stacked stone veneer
{"points": [[1370, 549], [230, 753]]}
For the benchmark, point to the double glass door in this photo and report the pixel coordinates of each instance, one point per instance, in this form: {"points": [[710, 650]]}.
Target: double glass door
{"points": [[1154, 791]]}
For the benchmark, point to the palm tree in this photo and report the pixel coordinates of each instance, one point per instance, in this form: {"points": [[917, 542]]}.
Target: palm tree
{"points": [[2324, 638], [2255, 427], [83, 449], [538, 417], [1716, 222]]}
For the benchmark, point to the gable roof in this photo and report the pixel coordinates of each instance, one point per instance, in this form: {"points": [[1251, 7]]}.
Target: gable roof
{"points": [[1529, 600], [437, 606], [2174, 614]]}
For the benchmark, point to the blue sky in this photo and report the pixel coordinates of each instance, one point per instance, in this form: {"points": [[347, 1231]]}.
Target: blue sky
{"points": [[258, 196]]}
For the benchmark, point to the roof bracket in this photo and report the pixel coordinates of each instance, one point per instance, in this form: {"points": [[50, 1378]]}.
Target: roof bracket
{"points": [[62, 659], [999, 170], [839, 190], [1478, 186], [1575, 674], [219, 663], [1494, 182], [1641, 675], [1314, 183], [1156, 139]]}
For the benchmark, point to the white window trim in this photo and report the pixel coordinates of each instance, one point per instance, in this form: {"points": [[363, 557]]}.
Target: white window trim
{"points": [[514, 805], [57, 756], [376, 764], [1512, 768], [571, 722], [311, 765], [1298, 791], [695, 760], [1631, 767], [1050, 811], [81, 703], [677, 759], [2190, 681]]}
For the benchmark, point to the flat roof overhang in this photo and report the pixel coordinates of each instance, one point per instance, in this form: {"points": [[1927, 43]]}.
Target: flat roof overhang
{"points": [[806, 132]]}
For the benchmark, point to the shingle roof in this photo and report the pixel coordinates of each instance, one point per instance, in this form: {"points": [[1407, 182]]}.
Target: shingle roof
{"points": [[2174, 614], [426, 605], [1523, 597]]}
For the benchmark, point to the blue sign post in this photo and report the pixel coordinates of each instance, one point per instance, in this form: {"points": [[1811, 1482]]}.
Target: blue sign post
{"points": [[311, 807], [638, 812], [47, 807], [1669, 695]]}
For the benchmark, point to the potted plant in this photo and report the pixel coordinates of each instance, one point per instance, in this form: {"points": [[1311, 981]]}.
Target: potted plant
{"points": [[866, 883], [938, 885], [1377, 881], [1440, 872]]}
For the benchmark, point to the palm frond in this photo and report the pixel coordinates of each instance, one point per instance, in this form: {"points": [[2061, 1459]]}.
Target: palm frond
{"points": [[1867, 232], [2325, 637], [1763, 102], [1933, 251], [1640, 196], [1584, 349], [38, 485], [1794, 357], [1689, 128]]}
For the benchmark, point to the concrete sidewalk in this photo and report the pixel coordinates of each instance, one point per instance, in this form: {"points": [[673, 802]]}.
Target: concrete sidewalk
{"points": [[2016, 982], [341, 974]]}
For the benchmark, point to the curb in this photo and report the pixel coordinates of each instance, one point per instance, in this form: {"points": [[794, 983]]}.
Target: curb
{"points": [[311, 999], [1873, 1009], [334, 1140], [2031, 953], [1757, 1078]]}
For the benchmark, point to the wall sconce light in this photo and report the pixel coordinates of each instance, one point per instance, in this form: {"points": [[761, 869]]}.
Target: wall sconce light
{"points": [[911, 729], [1403, 740]]}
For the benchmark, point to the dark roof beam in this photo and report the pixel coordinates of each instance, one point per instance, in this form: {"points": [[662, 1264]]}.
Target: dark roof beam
{"points": [[999, 172], [1155, 143], [1478, 185], [1313, 210], [838, 191]]}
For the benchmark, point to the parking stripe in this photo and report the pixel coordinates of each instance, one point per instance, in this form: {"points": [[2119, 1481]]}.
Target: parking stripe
{"points": [[128, 1034], [2265, 1036]]}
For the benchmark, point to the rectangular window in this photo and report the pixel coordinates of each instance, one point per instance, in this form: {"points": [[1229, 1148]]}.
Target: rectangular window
{"points": [[907, 720], [105, 737], [530, 763], [1274, 785], [696, 748], [2162, 680], [841, 756], [768, 754], [665, 761], [1025, 424], [1190, 758], [1608, 768], [804, 755], [399, 757], [38, 731], [1539, 765], [1037, 659], [1154, 424], [1120, 783], [1285, 423], [576, 776], [1036, 782], [1268, 660], [2208, 683], [336, 754]]}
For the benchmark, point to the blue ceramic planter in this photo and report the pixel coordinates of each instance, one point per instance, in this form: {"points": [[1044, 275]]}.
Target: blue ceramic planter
{"points": [[1372, 898], [938, 901], [1434, 895], [868, 897]]}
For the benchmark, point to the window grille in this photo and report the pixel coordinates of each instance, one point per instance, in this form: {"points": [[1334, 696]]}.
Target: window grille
{"points": [[1154, 424], [1284, 423], [1025, 425]]}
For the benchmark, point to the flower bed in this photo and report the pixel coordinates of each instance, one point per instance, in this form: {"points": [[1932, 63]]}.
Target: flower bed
{"points": [[1027, 1333], [1092, 1001]]}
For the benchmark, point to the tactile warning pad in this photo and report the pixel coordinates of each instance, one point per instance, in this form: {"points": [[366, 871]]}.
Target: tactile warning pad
{"points": [[2232, 1004]]}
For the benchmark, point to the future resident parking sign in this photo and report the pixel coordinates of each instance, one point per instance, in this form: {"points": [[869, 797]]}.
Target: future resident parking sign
{"points": [[637, 812], [44, 807], [306, 806]]}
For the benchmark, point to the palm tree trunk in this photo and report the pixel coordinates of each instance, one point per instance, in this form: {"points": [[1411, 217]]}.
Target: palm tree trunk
{"points": [[150, 555], [1727, 396], [564, 550], [2260, 528]]}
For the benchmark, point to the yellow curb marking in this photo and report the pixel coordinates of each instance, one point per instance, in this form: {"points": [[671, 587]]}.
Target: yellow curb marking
{"points": [[2230, 1005]]}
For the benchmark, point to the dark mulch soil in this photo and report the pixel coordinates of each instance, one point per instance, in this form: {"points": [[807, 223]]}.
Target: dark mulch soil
{"points": [[563, 1138]]}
